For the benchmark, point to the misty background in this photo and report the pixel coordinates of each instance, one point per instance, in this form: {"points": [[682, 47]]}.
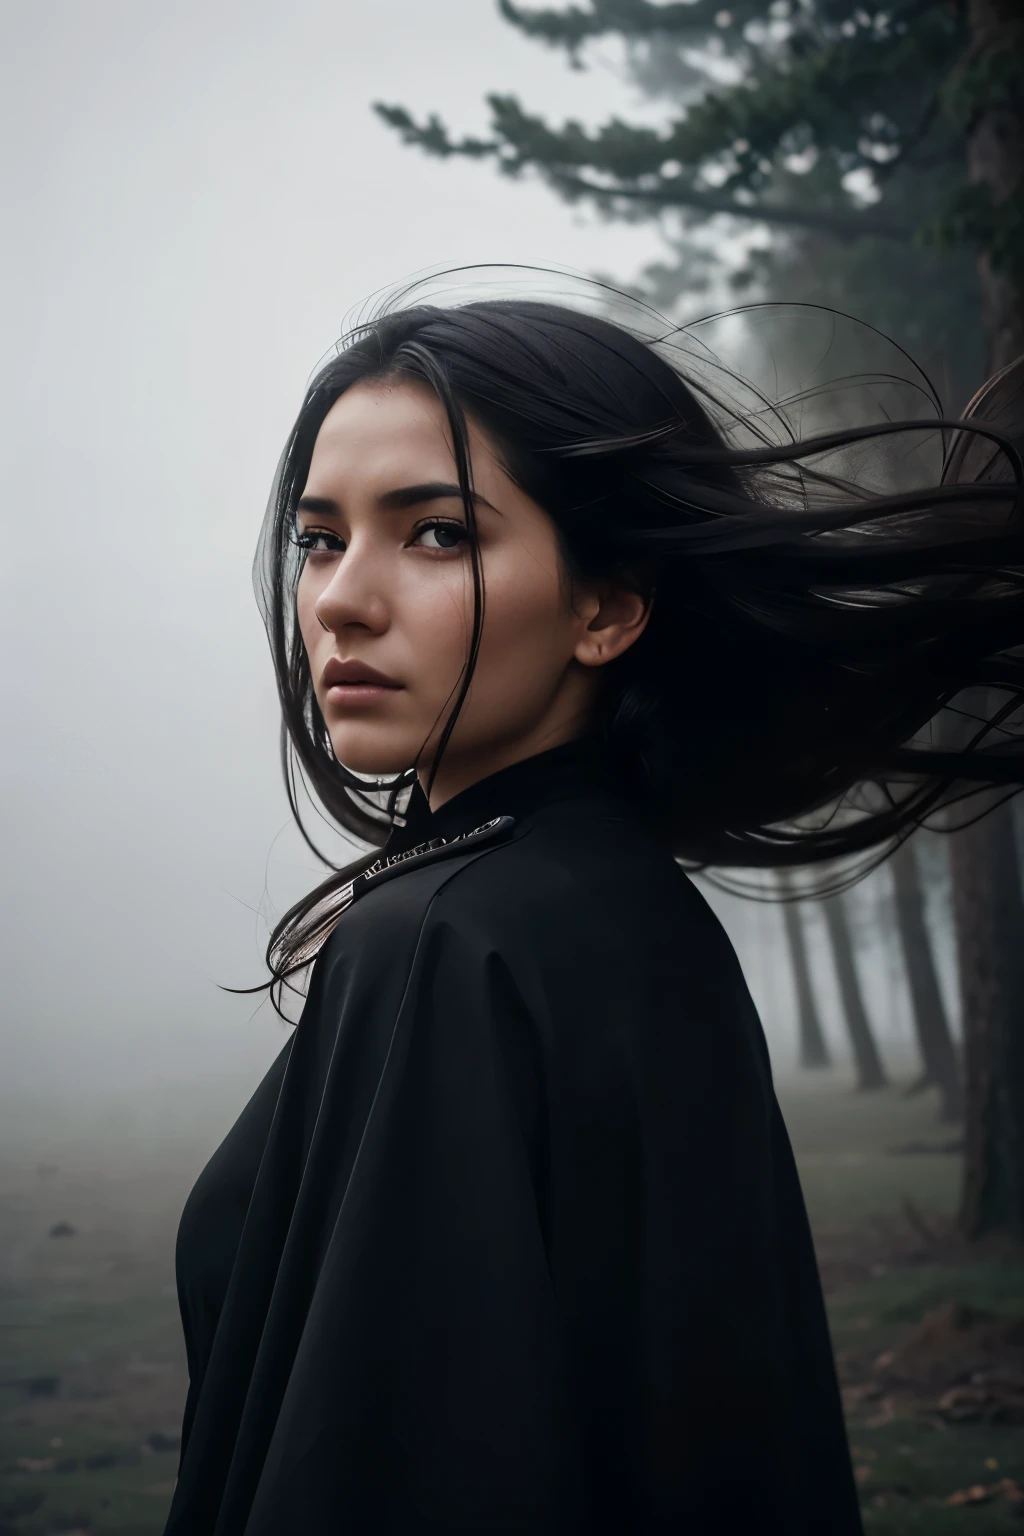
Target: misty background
{"points": [[197, 195]]}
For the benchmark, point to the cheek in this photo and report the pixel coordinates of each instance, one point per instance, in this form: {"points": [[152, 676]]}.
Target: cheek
{"points": [[437, 615], [306, 594], [527, 610]]}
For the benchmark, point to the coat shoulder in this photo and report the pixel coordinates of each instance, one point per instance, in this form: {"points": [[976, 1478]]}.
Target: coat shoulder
{"points": [[589, 881]]}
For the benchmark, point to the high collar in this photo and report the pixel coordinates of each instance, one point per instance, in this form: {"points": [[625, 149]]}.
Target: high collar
{"points": [[576, 770]]}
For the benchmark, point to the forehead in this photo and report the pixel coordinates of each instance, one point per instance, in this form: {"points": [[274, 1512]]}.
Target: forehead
{"points": [[383, 429]]}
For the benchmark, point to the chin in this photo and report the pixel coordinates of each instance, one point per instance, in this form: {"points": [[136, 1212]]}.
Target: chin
{"points": [[374, 753]]}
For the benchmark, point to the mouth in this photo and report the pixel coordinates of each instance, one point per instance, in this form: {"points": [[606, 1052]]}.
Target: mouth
{"points": [[353, 682]]}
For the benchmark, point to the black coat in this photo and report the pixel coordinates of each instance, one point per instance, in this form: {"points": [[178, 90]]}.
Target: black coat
{"points": [[510, 1238]]}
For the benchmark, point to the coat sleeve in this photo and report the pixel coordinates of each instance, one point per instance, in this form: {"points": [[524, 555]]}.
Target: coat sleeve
{"points": [[427, 1392]]}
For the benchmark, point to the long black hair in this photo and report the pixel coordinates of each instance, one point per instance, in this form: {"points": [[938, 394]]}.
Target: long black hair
{"points": [[810, 630]]}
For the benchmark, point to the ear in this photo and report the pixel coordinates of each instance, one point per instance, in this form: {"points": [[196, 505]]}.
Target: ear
{"points": [[613, 618]]}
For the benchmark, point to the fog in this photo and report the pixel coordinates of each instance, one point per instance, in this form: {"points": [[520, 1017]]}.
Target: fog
{"points": [[197, 194]]}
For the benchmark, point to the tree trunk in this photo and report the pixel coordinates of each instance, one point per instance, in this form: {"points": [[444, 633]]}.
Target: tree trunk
{"points": [[989, 911], [995, 162], [814, 1050], [870, 1072], [935, 1041]]}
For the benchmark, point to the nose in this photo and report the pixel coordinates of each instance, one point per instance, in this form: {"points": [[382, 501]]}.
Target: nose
{"points": [[352, 598]]}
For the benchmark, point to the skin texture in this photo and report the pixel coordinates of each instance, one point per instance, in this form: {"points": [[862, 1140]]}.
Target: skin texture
{"points": [[391, 586]]}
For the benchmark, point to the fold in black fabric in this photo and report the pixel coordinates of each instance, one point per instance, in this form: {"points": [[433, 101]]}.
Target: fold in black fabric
{"points": [[510, 1238]]}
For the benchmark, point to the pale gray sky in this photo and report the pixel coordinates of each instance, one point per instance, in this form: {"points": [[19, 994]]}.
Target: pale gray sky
{"points": [[197, 193]]}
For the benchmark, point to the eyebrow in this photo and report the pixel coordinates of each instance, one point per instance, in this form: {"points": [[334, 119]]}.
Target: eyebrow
{"points": [[397, 500]]}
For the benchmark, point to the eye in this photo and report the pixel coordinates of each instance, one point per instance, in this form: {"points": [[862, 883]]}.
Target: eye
{"points": [[317, 541], [445, 535]]}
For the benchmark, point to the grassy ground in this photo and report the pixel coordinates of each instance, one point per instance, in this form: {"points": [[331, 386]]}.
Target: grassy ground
{"points": [[883, 1223], [92, 1371], [92, 1376]]}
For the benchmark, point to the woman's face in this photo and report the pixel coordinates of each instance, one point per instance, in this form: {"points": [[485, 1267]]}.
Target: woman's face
{"points": [[385, 598]]}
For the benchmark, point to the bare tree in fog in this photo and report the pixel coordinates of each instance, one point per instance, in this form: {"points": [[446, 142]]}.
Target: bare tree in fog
{"points": [[867, 1060], [940, 1067], [988, 910], [813, 1051]]}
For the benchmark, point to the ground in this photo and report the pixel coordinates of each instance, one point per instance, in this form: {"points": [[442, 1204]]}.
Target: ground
{"points": [[92, 1375], [934, 1408]]}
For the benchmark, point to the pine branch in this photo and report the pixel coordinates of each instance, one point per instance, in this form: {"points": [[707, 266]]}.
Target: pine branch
{"points": [[662, 192], [632, 19], [637, 20], [671, 195], [846, 98], [432, 136], [858, 94]]}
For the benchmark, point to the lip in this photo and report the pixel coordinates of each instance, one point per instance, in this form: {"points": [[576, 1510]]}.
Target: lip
{"points": [[353, 682]]}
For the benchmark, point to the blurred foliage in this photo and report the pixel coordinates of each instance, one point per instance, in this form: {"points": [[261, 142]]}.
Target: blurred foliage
{"points": [[839, 127]]}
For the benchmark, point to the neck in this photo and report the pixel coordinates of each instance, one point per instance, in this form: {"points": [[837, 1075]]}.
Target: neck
{"points": [[458, 771]]}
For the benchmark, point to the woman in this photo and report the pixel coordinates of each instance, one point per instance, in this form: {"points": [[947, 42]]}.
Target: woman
{"points": [[510, 1237]]}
